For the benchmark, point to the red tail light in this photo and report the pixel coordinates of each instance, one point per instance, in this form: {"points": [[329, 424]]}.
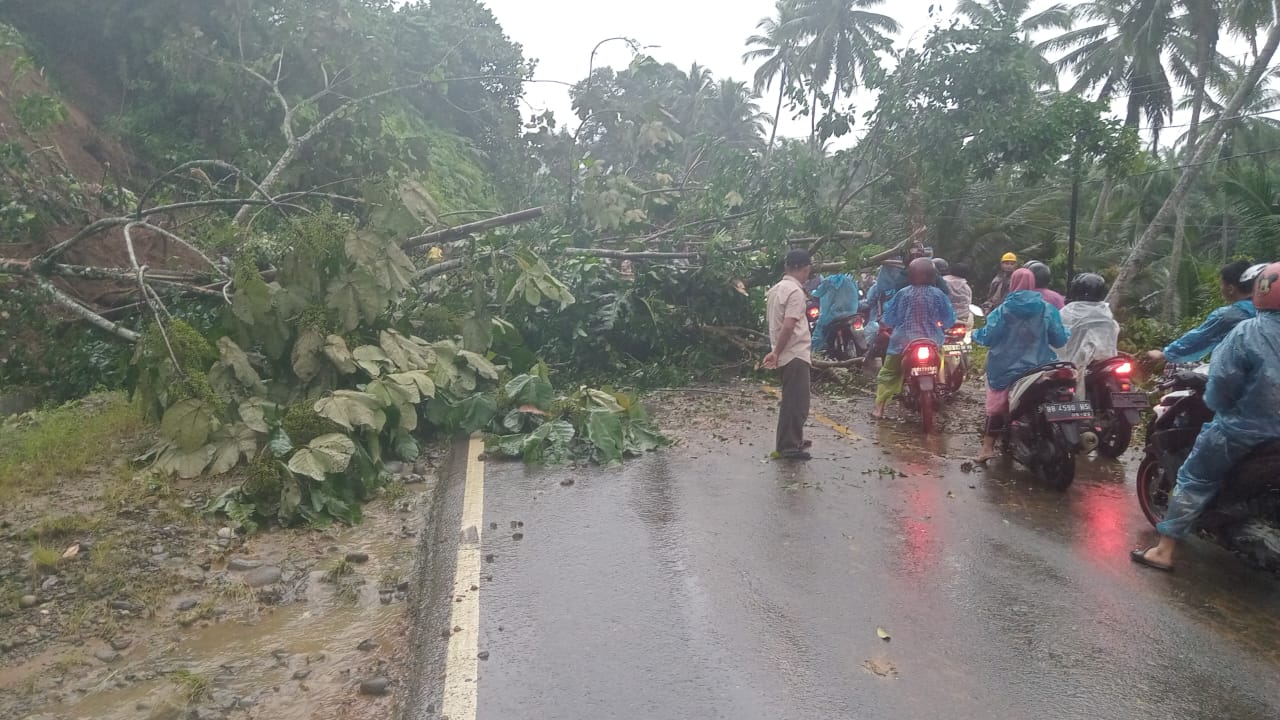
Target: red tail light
{"points": [[858, 323], [813, 313], [1124, 368], [1125, 387], [924, 353]]}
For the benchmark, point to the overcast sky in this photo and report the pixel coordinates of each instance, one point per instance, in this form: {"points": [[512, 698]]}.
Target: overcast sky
{"points": [[560, 34]]}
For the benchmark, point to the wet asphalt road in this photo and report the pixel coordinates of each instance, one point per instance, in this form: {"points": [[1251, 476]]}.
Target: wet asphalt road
{"points": [[707, 582]]}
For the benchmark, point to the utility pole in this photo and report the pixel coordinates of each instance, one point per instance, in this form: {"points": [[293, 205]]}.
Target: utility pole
{"points": [[1071, 235]]}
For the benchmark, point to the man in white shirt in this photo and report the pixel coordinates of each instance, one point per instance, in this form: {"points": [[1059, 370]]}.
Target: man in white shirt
{"points": [[789, 335]]}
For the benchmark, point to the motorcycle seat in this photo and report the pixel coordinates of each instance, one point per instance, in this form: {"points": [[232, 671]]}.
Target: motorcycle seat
{"points": [[1020, 389]]}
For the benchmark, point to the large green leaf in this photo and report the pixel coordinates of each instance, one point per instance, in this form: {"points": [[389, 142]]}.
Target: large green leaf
{"points": [[385, 262], [230, 445], [418, 379], [326, 454], [372, 360], [253, 412], [352, 409], [480, 364], [335, 348], [186, 464], [530, 390], [604, 431], [307, 351], [408, 353], [233, 364], [188, 423]]}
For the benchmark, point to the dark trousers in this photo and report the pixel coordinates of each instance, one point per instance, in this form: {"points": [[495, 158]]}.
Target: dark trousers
{"points": [[795, 406]]}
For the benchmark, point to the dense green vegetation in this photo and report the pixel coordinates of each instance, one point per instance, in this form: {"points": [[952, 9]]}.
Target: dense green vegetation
{"points": [[291, 154]]}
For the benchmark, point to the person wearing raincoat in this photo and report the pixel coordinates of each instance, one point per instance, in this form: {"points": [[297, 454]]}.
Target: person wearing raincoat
{"points": [[1244, 394], [1093, 329], [919, 310], [1020, 336], [837, 297], [1236, 284]]}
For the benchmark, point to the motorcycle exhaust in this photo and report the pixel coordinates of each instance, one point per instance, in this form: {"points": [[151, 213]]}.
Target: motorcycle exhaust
{"points": [[1088, 441]]}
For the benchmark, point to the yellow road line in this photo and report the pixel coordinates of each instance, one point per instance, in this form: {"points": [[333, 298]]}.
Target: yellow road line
{"points": [[838, 427], [461, 662]]}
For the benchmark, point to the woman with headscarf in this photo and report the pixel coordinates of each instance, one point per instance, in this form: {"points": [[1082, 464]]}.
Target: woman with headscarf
{"points": [[1020, 336]]}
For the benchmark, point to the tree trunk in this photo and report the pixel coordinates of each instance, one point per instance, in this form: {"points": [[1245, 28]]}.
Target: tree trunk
{"points": [[286, 158], [1173, 293], [1100, 210], [1178, 197], [777, 114], [813, 119]]}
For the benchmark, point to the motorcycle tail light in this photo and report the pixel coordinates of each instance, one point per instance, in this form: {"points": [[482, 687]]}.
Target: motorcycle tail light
{"points": [[1124, 369], [1125, 387], [923, 354], [857, 324], [1064, 374], [813, 313]]}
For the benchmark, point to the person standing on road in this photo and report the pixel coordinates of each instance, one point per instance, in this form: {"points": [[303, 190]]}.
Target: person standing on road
{"points": [[790, 338], [1000, 284], [1244, 394], [1020, 335]]}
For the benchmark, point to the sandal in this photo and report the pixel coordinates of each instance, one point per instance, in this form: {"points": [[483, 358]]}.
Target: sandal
{"points": [[1140, 557]]}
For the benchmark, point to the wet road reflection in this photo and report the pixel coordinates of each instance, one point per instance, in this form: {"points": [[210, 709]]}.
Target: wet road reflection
{"points": [[709, 581]]}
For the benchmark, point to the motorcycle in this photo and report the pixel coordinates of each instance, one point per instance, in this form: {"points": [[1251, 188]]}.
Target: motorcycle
{"points": [[922, 390], [956, 351], [1117, 406], [1244, 517], [844, 337], [1043, 431]]}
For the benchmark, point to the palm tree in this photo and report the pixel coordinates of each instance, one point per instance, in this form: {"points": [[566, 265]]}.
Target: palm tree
{"points": [[843, 40], [776, 46], [994, 12], [734, 114], [1123, 51], [1248, 18], [694, 90]]}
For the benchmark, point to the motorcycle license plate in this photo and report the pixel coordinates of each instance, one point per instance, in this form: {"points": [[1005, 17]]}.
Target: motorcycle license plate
{"points": [[1064, 412], [1130, 401], [928, 370], [952, 348]]}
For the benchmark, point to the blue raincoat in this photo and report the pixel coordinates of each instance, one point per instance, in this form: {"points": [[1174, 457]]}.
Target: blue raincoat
{"points": [[918, 311], [1021, 334], [888, 281], [1244, 392], [1198, 343], [837, 296]]}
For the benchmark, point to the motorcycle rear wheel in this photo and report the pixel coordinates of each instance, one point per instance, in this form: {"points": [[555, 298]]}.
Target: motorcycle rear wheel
{"points": [[928, 412], [1154, 489], [1114, 441], [1056, 467]]}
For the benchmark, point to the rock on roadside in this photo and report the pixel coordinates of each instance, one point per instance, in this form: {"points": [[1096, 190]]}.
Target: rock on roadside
{"points": [[375, 686], [262, 577]]}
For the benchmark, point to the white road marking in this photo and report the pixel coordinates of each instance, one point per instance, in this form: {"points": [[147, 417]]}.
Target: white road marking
{"points": [[461, 663]]}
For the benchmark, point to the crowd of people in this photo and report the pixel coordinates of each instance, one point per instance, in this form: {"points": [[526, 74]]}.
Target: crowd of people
{"points": [[1029, 325]]}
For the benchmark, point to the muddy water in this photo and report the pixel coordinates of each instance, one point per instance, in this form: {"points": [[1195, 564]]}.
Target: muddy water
{"points": [[304, 659]]}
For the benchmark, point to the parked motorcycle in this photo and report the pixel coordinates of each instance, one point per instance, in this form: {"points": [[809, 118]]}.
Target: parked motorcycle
{"points": [[1043, 431], [1245, 515], [1117, 406], [922, 386]]}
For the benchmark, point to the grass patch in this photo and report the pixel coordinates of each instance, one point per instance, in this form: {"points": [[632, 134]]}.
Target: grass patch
{"points": [[44, 558], [193, 686], [340, 569], [62, 527], [58, 444]]}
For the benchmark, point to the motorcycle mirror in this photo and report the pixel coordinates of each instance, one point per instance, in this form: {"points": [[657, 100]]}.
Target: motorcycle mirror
{"points": [[977, 311]]}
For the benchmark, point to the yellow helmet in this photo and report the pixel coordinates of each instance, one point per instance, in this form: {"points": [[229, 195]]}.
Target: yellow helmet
{"points": [[1009, 257]]}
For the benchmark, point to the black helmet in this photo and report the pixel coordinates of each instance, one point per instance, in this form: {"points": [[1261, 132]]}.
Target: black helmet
{"points": [[942, 265], [1042, 273], [1087, 287]]}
